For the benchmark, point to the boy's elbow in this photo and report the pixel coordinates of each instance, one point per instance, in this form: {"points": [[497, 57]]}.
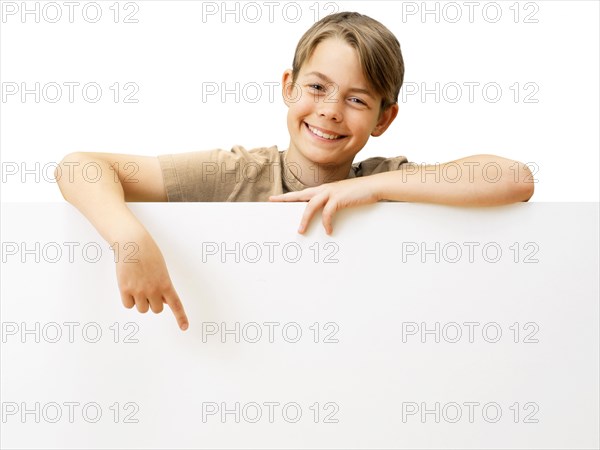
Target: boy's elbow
{"points": [[64, 173], [526, 192], [523, 188]]}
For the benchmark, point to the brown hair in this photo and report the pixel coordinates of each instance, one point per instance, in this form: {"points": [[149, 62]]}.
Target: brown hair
{"points": [[378, 51]]}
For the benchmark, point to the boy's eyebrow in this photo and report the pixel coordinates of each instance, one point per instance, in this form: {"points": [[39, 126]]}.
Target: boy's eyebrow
{"points": [[328, 80]]}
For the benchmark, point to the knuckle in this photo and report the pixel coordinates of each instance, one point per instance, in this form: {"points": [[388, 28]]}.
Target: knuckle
{"points": [[332, 206], [152, 291], [127, 288], [165, 286]]}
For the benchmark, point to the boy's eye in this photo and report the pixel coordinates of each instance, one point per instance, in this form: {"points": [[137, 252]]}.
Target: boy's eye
{"points": [[316, 87], [357, 100]]}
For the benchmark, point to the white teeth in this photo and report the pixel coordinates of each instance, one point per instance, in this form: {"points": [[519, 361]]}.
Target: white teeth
{"points": [[323, 135]]}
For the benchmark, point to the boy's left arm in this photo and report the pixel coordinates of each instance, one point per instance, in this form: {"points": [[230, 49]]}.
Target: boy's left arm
{"points": [[480, 180]]}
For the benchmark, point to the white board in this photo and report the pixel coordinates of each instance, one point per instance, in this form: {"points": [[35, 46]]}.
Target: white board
{"points": [[359, 343]]}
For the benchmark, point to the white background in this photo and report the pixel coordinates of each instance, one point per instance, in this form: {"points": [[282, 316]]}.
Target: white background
{"points": [[170, 54], [174, 48]]}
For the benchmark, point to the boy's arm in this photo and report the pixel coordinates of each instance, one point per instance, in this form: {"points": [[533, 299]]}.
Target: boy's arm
{"points": [[141, 270], [480, 180]]}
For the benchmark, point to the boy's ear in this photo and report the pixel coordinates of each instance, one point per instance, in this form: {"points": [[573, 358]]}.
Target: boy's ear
{"points": [[385, 120], [287, 87]]}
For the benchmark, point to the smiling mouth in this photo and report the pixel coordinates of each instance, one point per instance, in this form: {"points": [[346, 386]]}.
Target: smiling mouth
{"points": [[322, 135]]}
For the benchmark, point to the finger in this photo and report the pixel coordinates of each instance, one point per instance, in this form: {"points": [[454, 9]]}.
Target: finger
{"points": [[309, 212], [172, 299], [127, 299], [327, 217], [156, 303], [298, 196], [285, 198], [141, 303], [278, 198]]}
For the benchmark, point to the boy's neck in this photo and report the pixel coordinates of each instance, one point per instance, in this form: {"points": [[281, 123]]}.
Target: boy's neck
{"points": [[313, 174]]}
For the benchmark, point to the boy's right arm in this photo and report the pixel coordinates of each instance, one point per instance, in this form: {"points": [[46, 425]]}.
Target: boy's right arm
{"points": [[141, 270]]}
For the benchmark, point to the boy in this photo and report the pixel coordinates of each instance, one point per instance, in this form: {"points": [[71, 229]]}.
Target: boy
{"points": [[343, 87]]}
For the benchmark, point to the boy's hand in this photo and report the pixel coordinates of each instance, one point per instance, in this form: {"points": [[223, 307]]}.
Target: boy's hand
{"points": [[144, 280], [331, 197]]}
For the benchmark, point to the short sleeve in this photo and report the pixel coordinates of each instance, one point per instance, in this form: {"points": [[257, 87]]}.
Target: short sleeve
{"points": [[372, 166], [203, 176], [220, 175]]}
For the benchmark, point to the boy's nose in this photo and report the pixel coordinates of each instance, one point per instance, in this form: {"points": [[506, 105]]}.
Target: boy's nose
{"points": [[330, 109]]}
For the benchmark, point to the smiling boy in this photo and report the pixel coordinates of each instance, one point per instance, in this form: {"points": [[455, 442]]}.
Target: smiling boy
{"points": [[343, 88]]}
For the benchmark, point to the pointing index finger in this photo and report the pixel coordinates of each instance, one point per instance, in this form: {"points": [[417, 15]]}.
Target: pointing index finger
{"points": [[177, 308]]}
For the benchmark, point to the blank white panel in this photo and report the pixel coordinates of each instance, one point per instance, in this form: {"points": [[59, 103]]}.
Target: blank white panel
{"points": [[373, 346]]}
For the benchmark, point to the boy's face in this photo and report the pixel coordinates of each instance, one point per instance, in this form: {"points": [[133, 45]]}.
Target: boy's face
{"points": [[332, 97]]}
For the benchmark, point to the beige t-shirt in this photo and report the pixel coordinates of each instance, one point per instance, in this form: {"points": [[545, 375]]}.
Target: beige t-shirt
{"points": [[242, 175]]}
